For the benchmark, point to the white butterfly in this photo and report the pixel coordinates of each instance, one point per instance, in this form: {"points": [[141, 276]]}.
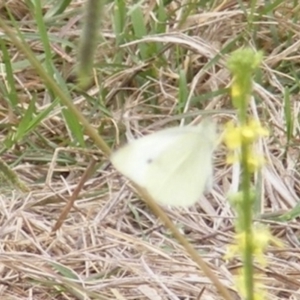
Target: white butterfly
{"points": [[174, 165]]}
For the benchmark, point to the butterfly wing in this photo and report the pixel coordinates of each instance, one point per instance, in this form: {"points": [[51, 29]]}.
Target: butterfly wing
{"points": [[133, 159], [179, 175], [173, 164]]}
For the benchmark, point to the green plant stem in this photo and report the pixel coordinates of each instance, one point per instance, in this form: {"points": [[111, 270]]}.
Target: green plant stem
{"points": [[247, 224], [246, 206]]}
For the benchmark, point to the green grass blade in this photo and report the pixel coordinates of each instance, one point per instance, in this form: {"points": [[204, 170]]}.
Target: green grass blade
{"points": [[288, 116], [119, 20], [139, 29], [75, 128], [183, 91], [58, 8], [43, 33], [12, 95]]}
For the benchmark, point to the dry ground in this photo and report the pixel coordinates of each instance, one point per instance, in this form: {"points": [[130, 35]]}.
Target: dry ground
{"points": [[111, 246]]}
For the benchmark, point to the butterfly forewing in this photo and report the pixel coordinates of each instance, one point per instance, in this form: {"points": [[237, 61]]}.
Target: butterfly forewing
{"points": [[134, 159]]}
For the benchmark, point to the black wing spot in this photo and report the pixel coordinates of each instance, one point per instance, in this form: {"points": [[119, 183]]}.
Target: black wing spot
{"points": [[149, 161]]}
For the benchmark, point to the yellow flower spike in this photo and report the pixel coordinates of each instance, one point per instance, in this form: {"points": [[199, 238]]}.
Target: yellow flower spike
{"points": [[235, 135], [255, 162], [232, 158], [232, 136], [261, 238], [264, 238], [252, 131], [258, 129], [231, 252], [259, 293], [248, 134], [235, 90]]}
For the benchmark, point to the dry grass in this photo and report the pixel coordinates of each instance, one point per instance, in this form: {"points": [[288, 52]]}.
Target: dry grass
{"points": [[111, 246]]}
